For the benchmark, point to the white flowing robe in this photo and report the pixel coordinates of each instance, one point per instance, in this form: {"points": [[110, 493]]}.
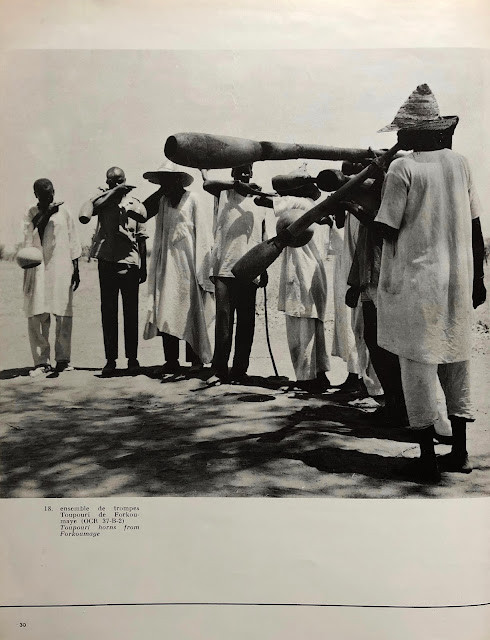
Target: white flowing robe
{"points": [[47, 288], [303, 294], [426, 280], [180, 294], [303, 278], [237, 228], [344, 341]]}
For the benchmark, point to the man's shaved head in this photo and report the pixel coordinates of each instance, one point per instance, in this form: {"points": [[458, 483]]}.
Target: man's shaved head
{"points": [[44, 190], [115, 176], [43, 184]]}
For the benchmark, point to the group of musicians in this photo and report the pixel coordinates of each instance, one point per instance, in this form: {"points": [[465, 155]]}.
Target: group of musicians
{"points": [[412, 269]]}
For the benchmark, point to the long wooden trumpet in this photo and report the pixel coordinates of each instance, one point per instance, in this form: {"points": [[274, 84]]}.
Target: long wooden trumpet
{"points": [[327, 180], [206, 151], [258, 259]]}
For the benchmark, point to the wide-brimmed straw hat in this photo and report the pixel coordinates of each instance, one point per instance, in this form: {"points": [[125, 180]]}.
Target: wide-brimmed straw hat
{"points": [[168, 167], [421, 112]]}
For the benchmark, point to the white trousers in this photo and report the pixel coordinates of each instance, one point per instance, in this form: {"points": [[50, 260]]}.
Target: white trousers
{"points": [[343, 342], [38, 327], [306, 341], [366, 368], [419, 381]]}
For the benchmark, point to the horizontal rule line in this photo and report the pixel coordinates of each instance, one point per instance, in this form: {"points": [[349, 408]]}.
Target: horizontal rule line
{"points": [[243, 604]]}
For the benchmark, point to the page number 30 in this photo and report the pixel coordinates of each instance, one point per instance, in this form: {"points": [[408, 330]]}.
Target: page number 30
{"points": [[23, 624]]}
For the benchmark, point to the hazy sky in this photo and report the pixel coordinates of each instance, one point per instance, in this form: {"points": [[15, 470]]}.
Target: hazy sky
{"points": [[69, 115]]}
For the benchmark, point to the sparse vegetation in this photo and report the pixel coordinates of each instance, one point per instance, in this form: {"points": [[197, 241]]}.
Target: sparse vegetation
{"points": [[9, 253]]}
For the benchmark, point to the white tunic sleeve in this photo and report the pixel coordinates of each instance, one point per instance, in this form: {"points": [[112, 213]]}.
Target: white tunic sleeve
{"points": [[31, 276], [283, 204], [393, 199], [203, 225], [28, 227], [75, 246], [475, 204]]}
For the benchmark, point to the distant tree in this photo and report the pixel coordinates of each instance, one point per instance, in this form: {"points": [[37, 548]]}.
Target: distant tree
{"points": [[9, 252]]}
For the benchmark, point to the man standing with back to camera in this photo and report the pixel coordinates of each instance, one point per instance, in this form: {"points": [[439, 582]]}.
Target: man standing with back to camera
{"points": [[120, 248], [431, 275]]}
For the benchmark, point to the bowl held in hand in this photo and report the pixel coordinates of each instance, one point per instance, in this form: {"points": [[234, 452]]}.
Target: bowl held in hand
{"points": [[29, 257]]}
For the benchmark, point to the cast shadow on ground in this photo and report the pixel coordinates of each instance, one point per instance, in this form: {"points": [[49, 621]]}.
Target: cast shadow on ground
{"points": [[66, 441], [271, 382], [335, 418], [9, 374]]}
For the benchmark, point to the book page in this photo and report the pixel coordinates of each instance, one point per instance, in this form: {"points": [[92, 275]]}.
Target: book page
{"points": [[136, 506]]}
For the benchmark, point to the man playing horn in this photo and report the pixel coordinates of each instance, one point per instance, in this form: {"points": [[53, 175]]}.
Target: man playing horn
{"points": [[239, 226], [48, 288], [303, 281], [363, 283], [120, 248], [430, 276], [180, 294]]}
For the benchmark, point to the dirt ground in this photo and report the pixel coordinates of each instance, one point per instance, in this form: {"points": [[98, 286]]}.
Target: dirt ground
{"points": [[79, 435]]}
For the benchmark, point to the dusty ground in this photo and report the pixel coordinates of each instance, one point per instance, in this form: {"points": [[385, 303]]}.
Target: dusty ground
{"points": [[79, 435]]}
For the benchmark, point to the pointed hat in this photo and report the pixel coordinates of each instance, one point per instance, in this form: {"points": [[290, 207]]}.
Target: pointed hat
{"points": [[168, 167], [420, 111]]}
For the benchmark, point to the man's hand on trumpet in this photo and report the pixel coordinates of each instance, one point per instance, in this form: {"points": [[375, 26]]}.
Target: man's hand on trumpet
{"points": [[264, 200], [326, 220], [250, 189]]}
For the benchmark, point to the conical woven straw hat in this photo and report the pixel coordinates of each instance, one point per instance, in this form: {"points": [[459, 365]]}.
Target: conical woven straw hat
{"points": [[420, 111], [168, 167]]}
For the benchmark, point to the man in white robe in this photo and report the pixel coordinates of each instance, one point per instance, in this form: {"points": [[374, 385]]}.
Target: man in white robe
{"points": [[429, 216], [239, 226], [48, 288], [303, 282], [180, 294], [343, 341]]}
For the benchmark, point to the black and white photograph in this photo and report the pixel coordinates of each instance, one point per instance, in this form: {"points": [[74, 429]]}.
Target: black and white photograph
{"points": [[167, 332], [244, 320]]}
